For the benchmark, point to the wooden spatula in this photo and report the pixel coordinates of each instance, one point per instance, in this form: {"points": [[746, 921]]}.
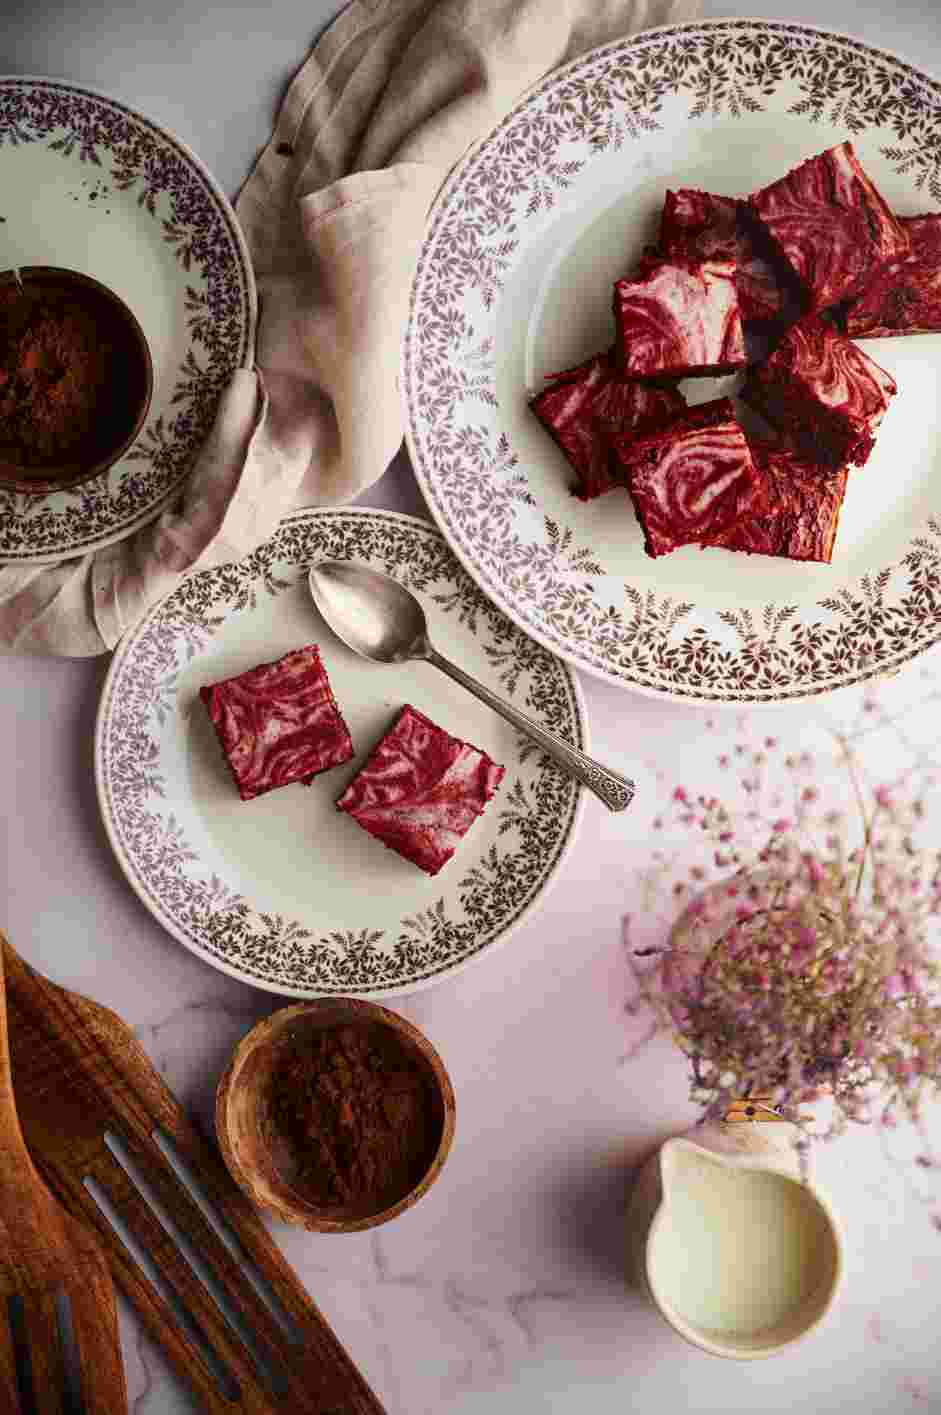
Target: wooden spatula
{"points": [[47, 1259], [87, 1095]]}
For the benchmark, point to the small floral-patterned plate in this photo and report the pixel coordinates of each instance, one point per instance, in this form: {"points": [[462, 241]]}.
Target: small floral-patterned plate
{"points": [[89, 184], [285, 891], [514, 282]]}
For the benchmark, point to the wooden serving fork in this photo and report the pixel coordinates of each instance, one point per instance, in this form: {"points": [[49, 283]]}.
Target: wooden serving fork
{"points": [[50, 1265], [96, 1117]]}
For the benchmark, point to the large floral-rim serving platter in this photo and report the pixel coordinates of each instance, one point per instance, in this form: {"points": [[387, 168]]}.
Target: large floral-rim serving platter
{"points": [[89, 184], [514, 282], [285, 891]]}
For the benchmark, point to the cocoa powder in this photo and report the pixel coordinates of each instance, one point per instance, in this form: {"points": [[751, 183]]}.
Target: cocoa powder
{"points": [[65, 366], [359, 1113]]}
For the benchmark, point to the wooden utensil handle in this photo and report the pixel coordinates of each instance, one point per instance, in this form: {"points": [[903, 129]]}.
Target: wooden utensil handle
{"points": [[15, 1162], [80, 1074]]}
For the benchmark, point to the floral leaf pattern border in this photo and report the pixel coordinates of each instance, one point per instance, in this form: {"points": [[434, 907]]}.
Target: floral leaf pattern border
{"points": [[133, 154], [465, 464], [537, 814]]}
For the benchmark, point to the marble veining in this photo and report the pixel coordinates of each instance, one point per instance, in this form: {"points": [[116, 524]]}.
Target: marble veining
{"points": [[503, 1292]]}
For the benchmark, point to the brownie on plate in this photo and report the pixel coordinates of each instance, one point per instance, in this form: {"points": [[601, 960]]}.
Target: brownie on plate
{"points": [[692, 480], [795, 510], [582, 405], [904, 297], [831, 225], [678, 317], [824, 397], [278, 723], [702, 226], [421, 790]]}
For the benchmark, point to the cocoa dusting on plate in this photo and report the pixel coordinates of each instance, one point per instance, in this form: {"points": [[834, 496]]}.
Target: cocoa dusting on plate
{"points": [[63, 377], [359, 1114]]}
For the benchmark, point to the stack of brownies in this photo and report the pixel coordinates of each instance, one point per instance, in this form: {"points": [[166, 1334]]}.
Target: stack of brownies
{"points": [[807, 262]]}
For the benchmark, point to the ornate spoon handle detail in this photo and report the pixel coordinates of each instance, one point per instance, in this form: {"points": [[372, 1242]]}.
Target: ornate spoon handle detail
{"points": [[614, 790]]}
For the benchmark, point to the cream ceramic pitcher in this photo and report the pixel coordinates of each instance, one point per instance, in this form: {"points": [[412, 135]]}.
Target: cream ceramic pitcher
{"points": [[736, 1253]]}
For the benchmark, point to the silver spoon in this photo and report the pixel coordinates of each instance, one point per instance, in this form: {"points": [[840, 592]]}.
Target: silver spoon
{"points": [[381, 620]]}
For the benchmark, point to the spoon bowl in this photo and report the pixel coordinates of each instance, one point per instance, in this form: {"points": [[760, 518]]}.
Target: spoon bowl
{"points": [[373, 614], [382, 620]]}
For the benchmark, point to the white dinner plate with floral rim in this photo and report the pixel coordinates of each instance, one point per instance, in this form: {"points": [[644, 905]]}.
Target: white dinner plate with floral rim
{"points": [[284, 891], [514, 282], [89, 184]]}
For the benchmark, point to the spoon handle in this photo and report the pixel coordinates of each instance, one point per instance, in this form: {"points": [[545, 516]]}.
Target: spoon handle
{"points": [[614, 790]]}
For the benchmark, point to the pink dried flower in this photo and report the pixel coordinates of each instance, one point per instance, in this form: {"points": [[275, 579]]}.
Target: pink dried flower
{"points": [[814, 870], [813, 973]]}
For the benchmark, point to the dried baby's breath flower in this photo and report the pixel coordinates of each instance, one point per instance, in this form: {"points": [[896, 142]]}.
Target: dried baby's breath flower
{"points": [[804, 964]]}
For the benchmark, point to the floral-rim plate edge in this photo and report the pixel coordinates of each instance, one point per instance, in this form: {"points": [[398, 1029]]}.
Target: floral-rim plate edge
{"points": [[221, 320], [470, 474], [222, 927]]}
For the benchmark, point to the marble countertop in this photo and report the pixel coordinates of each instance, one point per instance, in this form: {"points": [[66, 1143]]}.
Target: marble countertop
{"points": [[504, 1289]]}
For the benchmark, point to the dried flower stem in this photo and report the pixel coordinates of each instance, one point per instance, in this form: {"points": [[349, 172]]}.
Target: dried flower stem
{"points": [[810, 968]]}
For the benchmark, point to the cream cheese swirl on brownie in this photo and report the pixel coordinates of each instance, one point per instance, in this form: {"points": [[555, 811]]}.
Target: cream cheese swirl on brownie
{"points": [[905, 296], [278, 723], [822, 394], [581, 408], [831, 225], [679, 317], [702, 226], [692, 480], [421, 790], [795, 511]]}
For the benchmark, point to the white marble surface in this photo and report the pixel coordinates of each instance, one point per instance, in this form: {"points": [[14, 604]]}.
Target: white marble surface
{"points": [[504, 1290]]}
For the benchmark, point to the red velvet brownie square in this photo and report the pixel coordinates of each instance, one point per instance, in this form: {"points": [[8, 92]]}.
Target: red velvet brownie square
{"points": [[822, 394], [678, 317], [691, 480], [702, 226], [904, 297], [795, 511], [421, 790], [278, 723], [582, 405], [830, 224]]}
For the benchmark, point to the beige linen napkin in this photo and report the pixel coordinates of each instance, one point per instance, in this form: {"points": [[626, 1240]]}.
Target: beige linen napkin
{"points": [[390, 98]]}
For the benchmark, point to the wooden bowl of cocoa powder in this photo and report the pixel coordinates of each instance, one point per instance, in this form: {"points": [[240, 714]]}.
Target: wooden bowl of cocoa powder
{"points": [[76, 378], [336, 1114]]}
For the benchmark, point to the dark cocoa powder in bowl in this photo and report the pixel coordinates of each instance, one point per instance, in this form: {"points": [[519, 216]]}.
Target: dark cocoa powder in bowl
{"points": [[70, 379], [358, 1114]]}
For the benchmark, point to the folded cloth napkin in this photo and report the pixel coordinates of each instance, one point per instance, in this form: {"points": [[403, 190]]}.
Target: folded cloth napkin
{"points": [[390, 98]]}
